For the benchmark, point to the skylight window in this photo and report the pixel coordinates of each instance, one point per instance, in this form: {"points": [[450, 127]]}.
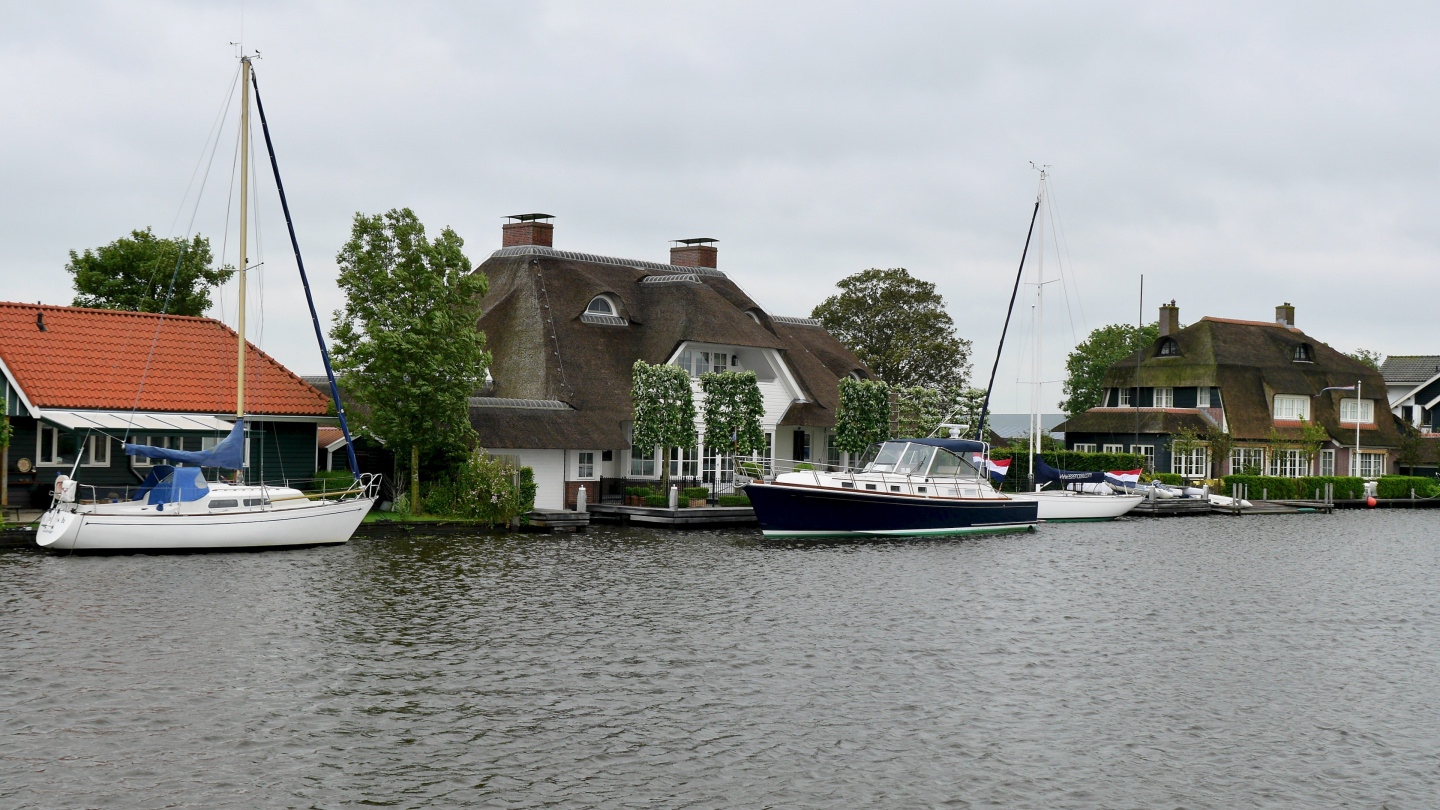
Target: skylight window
{"points": [[1303, 354], [600, 305], [1169, 348]]}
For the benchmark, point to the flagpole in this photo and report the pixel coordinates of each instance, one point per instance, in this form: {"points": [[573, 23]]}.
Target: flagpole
{"points": [[1357, 428]]}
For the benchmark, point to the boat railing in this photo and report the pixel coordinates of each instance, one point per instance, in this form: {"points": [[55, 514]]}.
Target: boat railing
{"points": [[907, 483], [363, 486]]}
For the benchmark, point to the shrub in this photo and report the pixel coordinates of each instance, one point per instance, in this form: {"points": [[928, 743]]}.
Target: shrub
{"points": [[695, 493], [751, 468], [656, 500], [330, 481], [1173, 479], [1295, 488], [483, 488], [733, 500], [803, 466], [637, 492], [1399, 486]]}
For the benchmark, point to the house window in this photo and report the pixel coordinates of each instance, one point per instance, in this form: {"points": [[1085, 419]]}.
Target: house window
{"points": [[769, 451], [1202, 396], [1082, 447], [642, 463], [1303, 354], [718, 362], [832, 454], [1193, 463], [1114, 448], [1357, 410], [1327, 462], [1164, 397], [1169, 348], [1372, 465], [1125, 397], [1146, 450], [1292, 408], [1288, 464], [585, 468], [718, 469], [97, 451], [801, 446], [684, 463], [1247, 460], [54, 447], [600, 305]]}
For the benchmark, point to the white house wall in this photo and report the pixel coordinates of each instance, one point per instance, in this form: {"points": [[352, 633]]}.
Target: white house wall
{"points": [[549, 467]]}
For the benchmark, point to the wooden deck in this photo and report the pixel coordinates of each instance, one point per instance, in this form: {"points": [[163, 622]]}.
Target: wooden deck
{"points": [[1171, 507], [662, 516], [564, 519]]}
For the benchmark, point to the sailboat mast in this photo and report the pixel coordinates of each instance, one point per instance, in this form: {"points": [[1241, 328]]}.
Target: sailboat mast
{"points": [[244, 231], [1039, 326]]}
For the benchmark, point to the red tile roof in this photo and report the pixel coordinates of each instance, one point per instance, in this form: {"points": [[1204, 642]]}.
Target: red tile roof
{"points": [[95, 359], [327, 436]]}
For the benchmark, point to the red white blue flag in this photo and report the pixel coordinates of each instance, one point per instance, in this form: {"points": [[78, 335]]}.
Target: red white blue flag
{"points": [[995, 468], [1123, 478]]}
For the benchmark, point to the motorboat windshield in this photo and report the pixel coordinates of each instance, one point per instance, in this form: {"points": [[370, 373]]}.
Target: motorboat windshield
{"points": [[902, 458], [949, 465]]}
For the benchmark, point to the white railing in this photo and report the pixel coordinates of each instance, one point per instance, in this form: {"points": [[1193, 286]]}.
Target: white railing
{"points": [[892, 483]]}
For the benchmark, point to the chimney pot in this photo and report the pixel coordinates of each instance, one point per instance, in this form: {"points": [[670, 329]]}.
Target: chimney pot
{"points": [[1285, 314], [528, 229], [1169, 318], [699, 252]]}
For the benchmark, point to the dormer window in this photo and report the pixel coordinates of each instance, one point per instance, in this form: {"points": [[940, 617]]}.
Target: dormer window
{"points": [[1169, 348], [1303, 354], [753, 316], [600, 305]]}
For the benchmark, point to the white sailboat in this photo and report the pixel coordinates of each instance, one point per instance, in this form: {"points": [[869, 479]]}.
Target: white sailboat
{"points": [[176, 508], [1061, 504]]}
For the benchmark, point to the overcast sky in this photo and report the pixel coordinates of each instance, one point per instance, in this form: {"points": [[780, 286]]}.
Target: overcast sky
{"points": [[1236, 157]]}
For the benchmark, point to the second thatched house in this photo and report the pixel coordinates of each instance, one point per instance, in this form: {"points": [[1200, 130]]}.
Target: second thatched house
{"points": [[1259, 382], [565, 328]]}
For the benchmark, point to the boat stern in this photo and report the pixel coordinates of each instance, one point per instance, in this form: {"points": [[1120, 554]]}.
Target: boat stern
{"points": [[58, 529]]}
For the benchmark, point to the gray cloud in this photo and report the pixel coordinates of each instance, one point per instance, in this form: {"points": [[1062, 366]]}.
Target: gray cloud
{"points": [[1236, 156]]}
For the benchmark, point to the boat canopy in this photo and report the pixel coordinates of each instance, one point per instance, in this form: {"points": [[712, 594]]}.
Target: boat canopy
{"points": [[229, 454], [166, 484], [956, 446]]}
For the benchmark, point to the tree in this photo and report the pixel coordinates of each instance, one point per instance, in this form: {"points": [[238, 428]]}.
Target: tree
{"points": [[133, 273], [1368, 357], [406, 343], [863, 417], [1221, 442], [733, 410], [1086, 366], [664, 411], [897, 325]]}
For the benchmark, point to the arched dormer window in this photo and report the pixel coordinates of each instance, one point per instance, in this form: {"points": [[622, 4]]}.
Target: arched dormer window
{"points": [[753, 316], [1304, 354], [855, 375], [1169, 348], [601, 305]]}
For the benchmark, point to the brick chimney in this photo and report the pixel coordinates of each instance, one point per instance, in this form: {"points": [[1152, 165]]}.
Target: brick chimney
{"points": [[694, 252], [1285, 314], [1169, 318], [528, 229]]}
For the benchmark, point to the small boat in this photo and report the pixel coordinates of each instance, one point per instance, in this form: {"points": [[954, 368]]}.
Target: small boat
{"points": [[1094, 496], [176, 508], [904, 488]]}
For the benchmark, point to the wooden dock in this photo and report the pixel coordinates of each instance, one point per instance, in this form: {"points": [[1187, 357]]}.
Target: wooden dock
{"points": [[548, 520], [1277, 508], [1171, 507], [662, 516]]}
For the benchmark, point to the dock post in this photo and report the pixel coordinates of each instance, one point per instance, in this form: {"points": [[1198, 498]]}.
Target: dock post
{"points": [[1264, 493], [580, 499], [674, 497]]}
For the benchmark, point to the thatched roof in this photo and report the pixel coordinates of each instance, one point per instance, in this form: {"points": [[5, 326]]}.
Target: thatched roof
{"points": [[1251, 362], [1126, 420], [545, 348]]}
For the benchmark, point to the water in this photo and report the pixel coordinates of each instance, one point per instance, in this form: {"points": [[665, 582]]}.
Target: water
{"points": [[1195, 663]]}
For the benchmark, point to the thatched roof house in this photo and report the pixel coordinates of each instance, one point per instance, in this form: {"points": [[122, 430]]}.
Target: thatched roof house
{"points": [[1257, 380], [565, 328]]}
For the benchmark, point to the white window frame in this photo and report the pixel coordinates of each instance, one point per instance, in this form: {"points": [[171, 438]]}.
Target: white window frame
{"points": [[1163, 397], [1371, 464], [1242, 457], [639, 460], [1327, 462], [1287, 463], [1349, 408], [717, 469], [614, 311], [684, 463], [1147, 451], [581, 463], [1113, 448], [1291, 408], [1192, 464], [1083, 447], [1202, 396], [54, 450], [93, 444], [1124, 398]]}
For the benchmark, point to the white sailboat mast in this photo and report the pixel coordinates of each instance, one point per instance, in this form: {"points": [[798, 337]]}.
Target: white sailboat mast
{"points": [[244, 231], [1038, 330]]}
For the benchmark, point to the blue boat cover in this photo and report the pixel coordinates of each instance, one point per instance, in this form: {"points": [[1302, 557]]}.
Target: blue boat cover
{"points": [[229, 454], [956, 446], [1044, 474], [166, 484]]}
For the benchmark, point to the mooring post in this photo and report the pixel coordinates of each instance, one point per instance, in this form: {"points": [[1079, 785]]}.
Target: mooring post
{"points": [[580, 499]]}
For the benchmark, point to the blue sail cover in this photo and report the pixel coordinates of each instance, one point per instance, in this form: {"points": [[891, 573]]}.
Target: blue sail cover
{"points": [[1044, 474], [166, 484], [229, 454]]}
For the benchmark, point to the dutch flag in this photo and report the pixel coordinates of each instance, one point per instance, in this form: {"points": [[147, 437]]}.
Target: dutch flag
{"points": [[996, 468], [1123, 478]]}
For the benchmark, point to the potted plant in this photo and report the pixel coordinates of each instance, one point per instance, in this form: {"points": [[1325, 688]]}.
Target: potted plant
{"points": [[635, 496], [695, 496]]}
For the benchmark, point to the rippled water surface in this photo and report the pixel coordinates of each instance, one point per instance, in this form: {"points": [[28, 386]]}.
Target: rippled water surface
{"points": [[1196, 663]]}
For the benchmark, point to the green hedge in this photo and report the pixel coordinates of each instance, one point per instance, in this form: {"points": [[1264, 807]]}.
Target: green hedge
{"points": [[1173, 479], [1399, 486], [656, 500], [1064, 460], [637, 492], [1290, 489], [695, 493], [733, 500]]}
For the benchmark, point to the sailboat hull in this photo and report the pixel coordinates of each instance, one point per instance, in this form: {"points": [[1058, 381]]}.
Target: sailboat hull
{"points": [[310, 525], [1074, 506]]}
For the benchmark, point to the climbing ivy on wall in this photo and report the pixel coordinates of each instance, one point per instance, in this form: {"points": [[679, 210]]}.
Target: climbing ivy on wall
{"points": [[864, 414], [732, 413]]}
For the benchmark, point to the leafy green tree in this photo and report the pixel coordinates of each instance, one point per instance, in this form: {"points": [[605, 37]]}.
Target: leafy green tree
{"points": [[133, 273], [1368, 357], [1221, 442], [733, 410], [919, 411], [897, 325], [406, 343], [1086, 366], [664, 411], [864, 414]]}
